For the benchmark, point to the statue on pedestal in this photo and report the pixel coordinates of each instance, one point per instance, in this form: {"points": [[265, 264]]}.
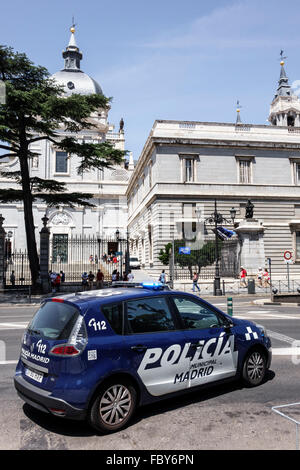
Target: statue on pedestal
{"points": [[249, 210]]}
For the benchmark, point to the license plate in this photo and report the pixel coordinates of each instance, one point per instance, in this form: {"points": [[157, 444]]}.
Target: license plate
{"points": [[34, 375]]}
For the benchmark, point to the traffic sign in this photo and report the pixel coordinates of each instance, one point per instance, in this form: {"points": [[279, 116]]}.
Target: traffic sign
{"points": [[288, 255], [184, 250]]}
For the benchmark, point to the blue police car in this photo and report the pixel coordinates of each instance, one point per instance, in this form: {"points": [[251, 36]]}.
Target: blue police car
{"points": [[97, 355]]}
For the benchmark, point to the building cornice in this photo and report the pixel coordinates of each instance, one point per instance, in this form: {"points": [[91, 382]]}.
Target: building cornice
{"points": [[261, 141]]}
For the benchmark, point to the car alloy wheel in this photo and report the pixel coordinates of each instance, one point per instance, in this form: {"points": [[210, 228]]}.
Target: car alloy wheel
{"points": [[113, 406], [254, 369]]}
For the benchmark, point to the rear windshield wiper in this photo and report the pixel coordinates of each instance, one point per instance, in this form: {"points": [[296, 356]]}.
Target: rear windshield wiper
{"points": [[36, 332]]}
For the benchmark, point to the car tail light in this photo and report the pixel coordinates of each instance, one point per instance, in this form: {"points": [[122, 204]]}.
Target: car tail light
{"points": [[65, 350], [76, 343]]}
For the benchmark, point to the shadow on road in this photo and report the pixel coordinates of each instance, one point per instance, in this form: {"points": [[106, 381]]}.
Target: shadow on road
{"points": [[82, 429]]}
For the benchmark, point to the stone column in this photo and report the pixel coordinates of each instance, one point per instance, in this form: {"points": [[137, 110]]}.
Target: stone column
{"points": [[252, 253], [44, 256], [2, 253]]}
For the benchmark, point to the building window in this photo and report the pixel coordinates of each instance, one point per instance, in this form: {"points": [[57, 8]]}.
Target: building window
{"points": [[188, 170], [297, 245], [188, 167], [296, 171], [245, 171], [61, 162], [150, 174]]}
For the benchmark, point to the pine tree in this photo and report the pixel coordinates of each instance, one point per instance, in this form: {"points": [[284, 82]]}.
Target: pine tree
{"points": [[35, 108]]}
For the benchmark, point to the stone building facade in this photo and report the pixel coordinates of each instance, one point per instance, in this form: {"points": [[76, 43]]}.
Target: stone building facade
{"points": [[185, 166]]}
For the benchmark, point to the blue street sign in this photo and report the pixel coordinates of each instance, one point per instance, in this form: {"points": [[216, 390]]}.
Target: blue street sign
{"points": [[184, 250]]}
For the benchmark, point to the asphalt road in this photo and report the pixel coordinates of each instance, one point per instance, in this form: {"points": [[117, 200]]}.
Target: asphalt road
{"points": [[222, 417]]}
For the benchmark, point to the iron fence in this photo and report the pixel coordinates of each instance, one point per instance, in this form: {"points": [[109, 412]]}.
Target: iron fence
{"points": [[203, 261], [77, 255], [16, 270]]}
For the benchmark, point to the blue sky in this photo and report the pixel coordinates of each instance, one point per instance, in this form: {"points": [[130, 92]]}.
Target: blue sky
{"points": [[167, 59]]}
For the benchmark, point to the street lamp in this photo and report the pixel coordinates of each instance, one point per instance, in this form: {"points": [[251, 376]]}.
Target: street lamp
{"points": [[217, 218], [127, 264]]}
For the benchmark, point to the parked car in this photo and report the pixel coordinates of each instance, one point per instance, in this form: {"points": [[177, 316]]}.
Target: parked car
{"points": [[134, 263], [98, 355]]}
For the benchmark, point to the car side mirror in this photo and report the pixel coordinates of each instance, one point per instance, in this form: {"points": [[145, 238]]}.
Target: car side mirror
{"points": [[227, 327]]}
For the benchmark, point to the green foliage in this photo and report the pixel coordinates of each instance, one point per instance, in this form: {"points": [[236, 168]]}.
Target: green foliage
{"points": [[164, 254], [199, 258]]}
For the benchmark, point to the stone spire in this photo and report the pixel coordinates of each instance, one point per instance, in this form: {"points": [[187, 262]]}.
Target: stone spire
{"points": [[238, 115], [72, 55], [285, 107], [283, 88]]}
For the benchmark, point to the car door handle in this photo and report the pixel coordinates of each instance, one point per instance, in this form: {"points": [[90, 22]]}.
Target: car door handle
{"points": [[196, 345], [139, 348]]}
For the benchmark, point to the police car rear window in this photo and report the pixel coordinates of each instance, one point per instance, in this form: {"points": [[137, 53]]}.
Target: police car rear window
{"points": [[54, 320], [149, 315]]}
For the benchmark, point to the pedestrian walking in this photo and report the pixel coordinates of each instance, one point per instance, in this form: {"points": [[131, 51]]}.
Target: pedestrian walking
{"points": [[99, 279], [162, 277], [62, 276], [91, 278], [57, 282], [243, 277], [52, 281], [84, 280], [266, 278], [130, 276], [13, 279], [195, 282], [114, 275], [259, 277]]}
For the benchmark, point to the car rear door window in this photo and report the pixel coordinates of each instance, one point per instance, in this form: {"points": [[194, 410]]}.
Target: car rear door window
{"points": [[149, 315], [195, 315], [114, 315]]}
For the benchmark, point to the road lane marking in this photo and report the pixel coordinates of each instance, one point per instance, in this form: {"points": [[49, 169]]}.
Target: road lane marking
{"points": [[266, 317], [281, 337], [13, 326], [3, 363], [286, 352]]}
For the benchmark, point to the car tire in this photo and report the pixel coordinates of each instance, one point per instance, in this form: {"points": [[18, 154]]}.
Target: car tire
{"points": [[254, 368], [113, 406]]}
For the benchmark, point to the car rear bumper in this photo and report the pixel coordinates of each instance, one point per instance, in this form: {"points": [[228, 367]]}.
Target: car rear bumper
{"points": [[43, 401]]}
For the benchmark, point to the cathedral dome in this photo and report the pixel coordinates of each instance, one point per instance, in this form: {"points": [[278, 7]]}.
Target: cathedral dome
{"points": [[77, 82], [71, 77]]}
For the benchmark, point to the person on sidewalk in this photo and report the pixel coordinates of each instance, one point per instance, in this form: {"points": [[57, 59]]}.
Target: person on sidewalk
{"points": [[266, 278], [130, 276], [259, 277], [162, 277], [84, 280], [195, 282], [13, 279], [99, 279], [243, 277], [91, 278]]}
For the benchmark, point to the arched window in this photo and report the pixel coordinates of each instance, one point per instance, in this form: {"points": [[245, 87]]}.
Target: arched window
{"points": [[291, 121]]}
